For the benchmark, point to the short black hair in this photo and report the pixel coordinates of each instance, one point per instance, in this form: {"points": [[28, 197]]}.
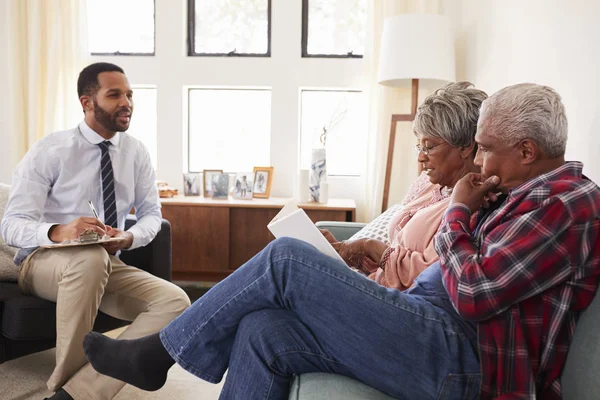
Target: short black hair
{"points": [[87, 84]]}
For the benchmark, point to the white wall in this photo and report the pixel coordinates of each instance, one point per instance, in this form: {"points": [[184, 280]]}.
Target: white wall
{"points": [[550, 42], [6, 162]]}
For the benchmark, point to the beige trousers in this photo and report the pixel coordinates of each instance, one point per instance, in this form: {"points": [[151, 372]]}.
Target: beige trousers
{"points": [[83, 280]]}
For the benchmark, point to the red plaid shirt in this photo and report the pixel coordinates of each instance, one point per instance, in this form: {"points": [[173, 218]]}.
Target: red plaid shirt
{"points": [[531, 268]]}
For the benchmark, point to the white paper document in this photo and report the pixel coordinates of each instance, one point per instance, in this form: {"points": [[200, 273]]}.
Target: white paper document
{"points": [[293, 222]]}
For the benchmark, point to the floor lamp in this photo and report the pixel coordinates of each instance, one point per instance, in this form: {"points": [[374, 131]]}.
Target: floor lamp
{"points": [[414, 48]]}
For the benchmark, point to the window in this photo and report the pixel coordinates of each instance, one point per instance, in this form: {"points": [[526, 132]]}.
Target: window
{"points": [[143, 122], [333, 28], [229, 28], [229, 129], [343, 114], [117, 27]]}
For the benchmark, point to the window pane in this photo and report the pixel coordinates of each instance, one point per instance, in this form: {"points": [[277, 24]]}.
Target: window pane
{"points": [[336, 27], [225, 26], [343, 114], [121, 26], [143, 122], [229, 129]]}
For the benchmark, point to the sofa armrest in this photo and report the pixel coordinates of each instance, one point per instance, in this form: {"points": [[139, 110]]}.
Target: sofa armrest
{"points": [[155, 257], [341, 230]]}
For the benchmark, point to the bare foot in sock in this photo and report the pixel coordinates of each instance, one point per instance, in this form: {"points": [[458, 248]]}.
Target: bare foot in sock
{"points": [[143, 362]]}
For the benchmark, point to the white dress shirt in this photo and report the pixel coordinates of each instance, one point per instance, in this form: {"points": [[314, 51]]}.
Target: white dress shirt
{"points": [[59, 174]]}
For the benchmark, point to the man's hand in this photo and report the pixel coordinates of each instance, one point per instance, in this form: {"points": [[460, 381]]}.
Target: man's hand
{"points": [[113, 247], [72, 230], [329, 236], [472, 191]]}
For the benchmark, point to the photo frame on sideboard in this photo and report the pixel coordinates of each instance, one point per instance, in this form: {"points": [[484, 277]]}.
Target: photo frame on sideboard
{"points": [[243, 186], [209, 180], [263, 178], [192, 185]]}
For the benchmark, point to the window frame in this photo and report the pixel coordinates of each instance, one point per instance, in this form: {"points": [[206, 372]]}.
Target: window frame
{"points": [[305, 39], [187, 104], [119, 54], [191, 35]]}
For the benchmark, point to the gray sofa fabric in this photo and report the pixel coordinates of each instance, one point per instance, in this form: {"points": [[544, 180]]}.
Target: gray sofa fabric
{"points": [[580, 377], [320, 386]]}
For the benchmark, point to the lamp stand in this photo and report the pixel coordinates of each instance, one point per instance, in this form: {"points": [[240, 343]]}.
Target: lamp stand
{"points": [[390, 157]]}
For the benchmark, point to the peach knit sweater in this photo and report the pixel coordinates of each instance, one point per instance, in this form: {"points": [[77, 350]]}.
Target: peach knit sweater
{"points": [[411, 233]]}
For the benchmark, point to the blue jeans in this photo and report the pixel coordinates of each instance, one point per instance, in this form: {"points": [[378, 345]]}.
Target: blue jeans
{"points": [[292, 310]]}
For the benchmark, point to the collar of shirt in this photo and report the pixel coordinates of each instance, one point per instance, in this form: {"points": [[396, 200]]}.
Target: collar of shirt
{"points": [[94, 138], [568, 169]]}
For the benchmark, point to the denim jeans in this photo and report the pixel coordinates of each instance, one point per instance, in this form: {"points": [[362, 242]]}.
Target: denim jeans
{"points": [[292, 310]]}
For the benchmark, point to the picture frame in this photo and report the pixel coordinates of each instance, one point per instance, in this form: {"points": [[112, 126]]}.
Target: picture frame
{"points": [[243, 186], [192, 185], [208, 176], [263, 178], [220, 186]]}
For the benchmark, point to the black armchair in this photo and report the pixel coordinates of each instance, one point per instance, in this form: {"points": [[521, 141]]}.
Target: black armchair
{"points": [[28, 323]]}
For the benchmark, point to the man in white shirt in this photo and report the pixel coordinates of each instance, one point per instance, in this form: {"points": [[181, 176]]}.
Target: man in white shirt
{"points": [[48, 203]]}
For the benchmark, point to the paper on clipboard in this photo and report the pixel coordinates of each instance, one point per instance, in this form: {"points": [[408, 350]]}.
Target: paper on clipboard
{"points": [[76, 242], [293, 222]]}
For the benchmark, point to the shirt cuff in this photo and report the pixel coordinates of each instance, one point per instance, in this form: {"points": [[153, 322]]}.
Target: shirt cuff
{"points": [[42, 233], [458, 212], [137, 237]]}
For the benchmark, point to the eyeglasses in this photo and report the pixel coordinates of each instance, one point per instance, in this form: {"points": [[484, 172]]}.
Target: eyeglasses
{"points": [[426, 149]]}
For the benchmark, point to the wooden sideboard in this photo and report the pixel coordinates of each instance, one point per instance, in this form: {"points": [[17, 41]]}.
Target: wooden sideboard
{"points": [[211, 238]]}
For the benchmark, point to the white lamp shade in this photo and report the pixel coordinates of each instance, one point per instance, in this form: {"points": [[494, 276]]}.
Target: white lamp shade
{"points": [[416, 46]]}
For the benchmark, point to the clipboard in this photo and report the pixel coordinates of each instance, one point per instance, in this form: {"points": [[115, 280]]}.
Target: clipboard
{"points": [[77, 242]]}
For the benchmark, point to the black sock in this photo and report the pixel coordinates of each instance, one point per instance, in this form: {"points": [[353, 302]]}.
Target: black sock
{"points": [[61, 394], [143, 362]]}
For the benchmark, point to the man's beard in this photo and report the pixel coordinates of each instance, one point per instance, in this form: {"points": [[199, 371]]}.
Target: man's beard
{"points": [[109, 122]]}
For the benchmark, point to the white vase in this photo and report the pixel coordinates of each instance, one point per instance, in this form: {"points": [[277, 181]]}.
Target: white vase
{"points": [[303, 186], [318, 172]]}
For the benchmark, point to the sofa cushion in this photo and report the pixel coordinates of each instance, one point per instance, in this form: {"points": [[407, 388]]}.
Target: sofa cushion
{"points": [[26, 317], [378, 228], [580, 376], [8, 270], [321, 386]]}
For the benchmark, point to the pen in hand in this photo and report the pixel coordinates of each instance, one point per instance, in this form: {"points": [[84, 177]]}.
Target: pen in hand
{"points": [[95, 213]]}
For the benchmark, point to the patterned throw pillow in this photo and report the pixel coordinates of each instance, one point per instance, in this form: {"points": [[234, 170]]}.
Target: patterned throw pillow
{"points": [[8, 269], [378, 228]]}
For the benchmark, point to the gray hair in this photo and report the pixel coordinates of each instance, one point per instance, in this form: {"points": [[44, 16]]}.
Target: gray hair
{"points": [[451, 114], [528, 111]]}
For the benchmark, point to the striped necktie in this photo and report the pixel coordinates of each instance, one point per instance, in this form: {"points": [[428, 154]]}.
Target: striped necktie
{"points": [[108, 186]]}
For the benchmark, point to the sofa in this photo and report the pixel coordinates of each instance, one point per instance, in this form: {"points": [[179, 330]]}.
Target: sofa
{"points": [[28, 323], [579, 379]]}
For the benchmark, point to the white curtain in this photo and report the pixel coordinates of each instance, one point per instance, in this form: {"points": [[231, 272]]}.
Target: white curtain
{"points": [[47, 50], [383, 102]]}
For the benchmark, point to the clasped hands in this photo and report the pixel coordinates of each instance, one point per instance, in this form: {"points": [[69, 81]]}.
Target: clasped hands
{"points": [[71, 231]]}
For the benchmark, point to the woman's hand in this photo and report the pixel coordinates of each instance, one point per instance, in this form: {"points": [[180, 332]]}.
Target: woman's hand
{"points": [[351, 251], [329, 236], [354, 252]]}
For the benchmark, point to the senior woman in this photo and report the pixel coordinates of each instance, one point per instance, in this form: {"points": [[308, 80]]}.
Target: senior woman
{"points": [[445, 127]]}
